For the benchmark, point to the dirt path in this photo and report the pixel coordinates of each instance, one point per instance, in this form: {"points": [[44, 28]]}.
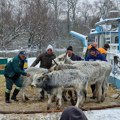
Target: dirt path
{"points": [[33, 105]]}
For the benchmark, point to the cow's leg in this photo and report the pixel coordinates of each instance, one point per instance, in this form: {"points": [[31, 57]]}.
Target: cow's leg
{"points": [[73, 96], [59, 97], [23, 95], [104, 90], [80, 97], [99, 91], [49, 101], [105, 84], [64, 95], [93, 91], [40, 96]]}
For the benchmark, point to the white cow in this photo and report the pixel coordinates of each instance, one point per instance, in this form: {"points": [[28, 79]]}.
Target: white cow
{"points": [[78, 76], [33, 71]]}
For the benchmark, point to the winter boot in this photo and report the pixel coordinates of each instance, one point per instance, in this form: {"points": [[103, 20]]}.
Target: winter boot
{"points": [[16, 91], [7, 97]]}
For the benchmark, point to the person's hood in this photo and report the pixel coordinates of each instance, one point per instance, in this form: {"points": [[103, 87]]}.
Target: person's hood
{"points": [[73, 113]]}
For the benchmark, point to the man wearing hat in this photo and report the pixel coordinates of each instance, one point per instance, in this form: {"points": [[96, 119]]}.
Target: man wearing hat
{"points": [[94, 44], [13, 70], [72, 55], [95, 55], [45, 60]]}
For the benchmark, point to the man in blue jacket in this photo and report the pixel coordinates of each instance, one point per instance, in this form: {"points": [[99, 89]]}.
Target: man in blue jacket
{"points": [[13, 70], [95, 55]]}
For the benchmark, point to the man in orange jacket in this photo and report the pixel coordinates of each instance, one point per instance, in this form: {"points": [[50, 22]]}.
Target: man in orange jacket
{"points": [[104, 49]]}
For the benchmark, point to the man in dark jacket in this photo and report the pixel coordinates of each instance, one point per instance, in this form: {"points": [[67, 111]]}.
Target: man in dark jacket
{"points": [[45, 60], [13, 70], [72, 55], [73, 113]]}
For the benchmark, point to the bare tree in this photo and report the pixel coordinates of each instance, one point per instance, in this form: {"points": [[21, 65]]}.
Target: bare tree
{"points": [[6, 23], [104, 7], [38, 22], [73, 8]]}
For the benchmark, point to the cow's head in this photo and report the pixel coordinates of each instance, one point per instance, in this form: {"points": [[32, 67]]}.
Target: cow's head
{"points": [[40, 79]]}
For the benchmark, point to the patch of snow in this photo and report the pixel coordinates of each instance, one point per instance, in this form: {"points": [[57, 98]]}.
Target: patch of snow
{"points": [[108, 114], [31, 60]]}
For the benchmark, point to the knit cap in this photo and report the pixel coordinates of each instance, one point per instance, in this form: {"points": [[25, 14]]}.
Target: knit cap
{"points": [[49, 47], [70, 48]]}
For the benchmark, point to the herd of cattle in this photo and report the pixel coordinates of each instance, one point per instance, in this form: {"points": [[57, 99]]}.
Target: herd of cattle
{"points": [[69, 75]]}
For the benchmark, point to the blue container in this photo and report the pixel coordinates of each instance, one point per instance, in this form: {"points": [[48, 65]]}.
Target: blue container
{"points": [[114, 81]]}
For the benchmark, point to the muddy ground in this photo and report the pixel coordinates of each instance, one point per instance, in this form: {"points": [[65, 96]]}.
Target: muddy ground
{"points": [[34, 105]]}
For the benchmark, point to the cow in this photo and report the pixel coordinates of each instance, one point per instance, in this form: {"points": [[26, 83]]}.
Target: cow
{"points": [[78, 77], [69, 64], [33, 71]]}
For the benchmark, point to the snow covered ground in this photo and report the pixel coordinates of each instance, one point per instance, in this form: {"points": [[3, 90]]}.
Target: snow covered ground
{"points": [[108, 114]]}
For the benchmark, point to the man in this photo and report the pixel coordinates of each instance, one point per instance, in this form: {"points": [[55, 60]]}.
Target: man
{"points": [[94, 44], [13, 70], [45, 60], [72, 55], [104, 49], [93, 56]]}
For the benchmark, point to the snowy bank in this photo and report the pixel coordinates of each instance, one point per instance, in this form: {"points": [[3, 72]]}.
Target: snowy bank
{"points": [[108, 114]]}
